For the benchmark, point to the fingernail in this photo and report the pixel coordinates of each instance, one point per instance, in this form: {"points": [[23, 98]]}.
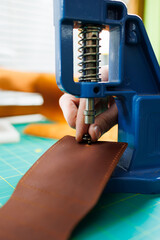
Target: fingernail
{"points": [[97, 132]]}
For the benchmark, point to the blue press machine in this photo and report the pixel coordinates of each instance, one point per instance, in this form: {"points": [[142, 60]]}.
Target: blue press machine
{"points": [[134, 80]]}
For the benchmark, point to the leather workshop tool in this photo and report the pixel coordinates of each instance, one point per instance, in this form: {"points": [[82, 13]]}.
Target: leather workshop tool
{"points": [[134, 80]]}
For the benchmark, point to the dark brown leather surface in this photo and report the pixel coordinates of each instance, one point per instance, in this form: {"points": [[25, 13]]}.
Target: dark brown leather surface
{"points": [[59, 190]]}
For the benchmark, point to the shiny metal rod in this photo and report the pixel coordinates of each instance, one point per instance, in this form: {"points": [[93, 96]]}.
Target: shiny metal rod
{"points": [[89, 112]]}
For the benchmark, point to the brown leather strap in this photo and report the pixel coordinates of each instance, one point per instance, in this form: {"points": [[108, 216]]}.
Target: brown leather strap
{"points": [[59, 190]]}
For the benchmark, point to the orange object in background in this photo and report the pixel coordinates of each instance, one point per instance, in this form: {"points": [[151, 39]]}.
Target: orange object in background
{"points": [[136, 7], [49, 130], [59, 130], [45, 84]]}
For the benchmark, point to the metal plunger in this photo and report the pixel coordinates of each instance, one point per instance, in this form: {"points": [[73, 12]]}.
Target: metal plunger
{"points": [[89, 64]]}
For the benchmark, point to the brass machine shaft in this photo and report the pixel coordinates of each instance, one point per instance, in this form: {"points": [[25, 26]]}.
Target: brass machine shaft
{"points": [[89, 49]]}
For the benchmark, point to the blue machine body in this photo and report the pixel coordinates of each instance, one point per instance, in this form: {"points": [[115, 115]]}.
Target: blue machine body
{"points": [[134, 78]]}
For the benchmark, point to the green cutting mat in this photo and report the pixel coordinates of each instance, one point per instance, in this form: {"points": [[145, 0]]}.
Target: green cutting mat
{"points": [[116, 216]]}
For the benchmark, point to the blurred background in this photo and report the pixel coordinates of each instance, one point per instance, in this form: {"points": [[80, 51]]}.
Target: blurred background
{"points": [[27, 35], [27, 59], [27, 32]]}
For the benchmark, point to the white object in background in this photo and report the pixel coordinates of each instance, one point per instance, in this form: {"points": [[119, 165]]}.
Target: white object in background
{"points": [[24, 118], [27, 35], [8, 134], [16, 98]]}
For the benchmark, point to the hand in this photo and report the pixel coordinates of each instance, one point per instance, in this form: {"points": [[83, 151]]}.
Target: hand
{"points": [[73, 110]]}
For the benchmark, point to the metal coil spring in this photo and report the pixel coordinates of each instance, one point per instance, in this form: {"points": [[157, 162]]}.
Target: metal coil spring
{"points": [[89, 49]]}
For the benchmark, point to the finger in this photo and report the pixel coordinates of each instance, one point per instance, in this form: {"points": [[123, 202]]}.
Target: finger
{"points": [[69, 105], [81, 127], [103, 122]]}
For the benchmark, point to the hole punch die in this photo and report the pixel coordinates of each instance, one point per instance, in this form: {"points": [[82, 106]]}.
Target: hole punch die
{"points": [[134, 80]]}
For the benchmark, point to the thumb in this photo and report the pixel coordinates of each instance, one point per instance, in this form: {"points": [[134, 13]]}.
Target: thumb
{"points": [[103, 122]]}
